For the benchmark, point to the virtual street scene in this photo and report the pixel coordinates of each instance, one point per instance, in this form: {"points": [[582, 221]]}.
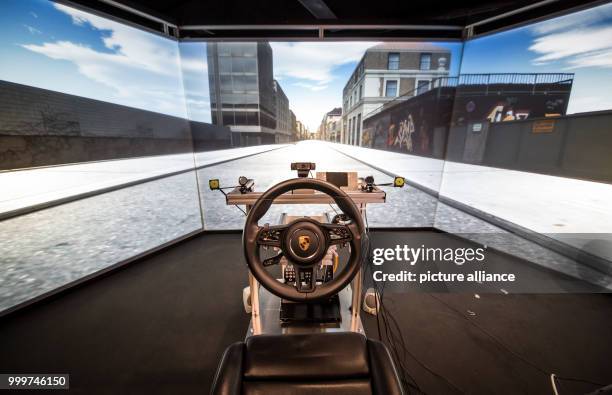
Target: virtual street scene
{"points": [[192, 207]]}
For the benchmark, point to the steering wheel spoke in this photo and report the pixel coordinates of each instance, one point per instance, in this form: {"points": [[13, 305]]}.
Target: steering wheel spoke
{"points": [[338, 234], [305, 280], [274, 260], [270, 235]]}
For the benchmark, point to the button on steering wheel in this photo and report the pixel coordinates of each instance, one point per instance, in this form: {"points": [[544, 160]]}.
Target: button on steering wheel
{"points": [[304, 242]]}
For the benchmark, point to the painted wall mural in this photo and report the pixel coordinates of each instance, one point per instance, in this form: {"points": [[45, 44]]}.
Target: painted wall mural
{"points": [[419, 125]]}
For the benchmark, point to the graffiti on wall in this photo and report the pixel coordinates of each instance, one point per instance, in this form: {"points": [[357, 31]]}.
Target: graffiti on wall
{"points": [[417, 125], [516, 107], [409, 127]]}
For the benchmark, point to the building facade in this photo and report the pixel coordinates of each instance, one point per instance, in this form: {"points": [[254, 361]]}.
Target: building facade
{"points": [[242, 91], [294, 131], [302, 131], [283, 116], [384, 73], [330, 129]]}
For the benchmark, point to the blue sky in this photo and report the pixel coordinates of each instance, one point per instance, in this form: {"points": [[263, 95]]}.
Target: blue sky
{"points": [[53, 46], [579, 43]]}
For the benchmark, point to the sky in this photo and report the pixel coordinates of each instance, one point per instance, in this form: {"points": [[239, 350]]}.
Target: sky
{"points": [[53, 46], [579, 43], [313, 74]]}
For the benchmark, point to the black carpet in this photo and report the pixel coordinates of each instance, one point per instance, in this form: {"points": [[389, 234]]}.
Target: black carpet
{"points": [[159, 326]]}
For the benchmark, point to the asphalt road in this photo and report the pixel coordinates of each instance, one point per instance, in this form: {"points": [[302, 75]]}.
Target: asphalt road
{"points": [[49, 248]]}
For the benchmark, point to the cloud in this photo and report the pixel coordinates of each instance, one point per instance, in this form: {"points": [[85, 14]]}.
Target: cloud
{"points": [[194, 64], [578, 47], [143, 50], [312, 87], [312, 67], [198, 109], [198, 103], [141, 68], [578, 20], [576, 40], [34, 15], [590, 103], [315, 61], [32, 29], [101, 67]]}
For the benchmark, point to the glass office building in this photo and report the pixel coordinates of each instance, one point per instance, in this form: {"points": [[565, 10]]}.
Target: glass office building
{"points": [[242, 91]]}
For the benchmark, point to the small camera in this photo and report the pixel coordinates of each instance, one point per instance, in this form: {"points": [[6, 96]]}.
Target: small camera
{"points": [[246, 184], [367, 184], [303, 168]]}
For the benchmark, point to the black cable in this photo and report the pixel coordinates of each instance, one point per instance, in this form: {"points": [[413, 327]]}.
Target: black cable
{"points": [[394, 336], [388, 322], [408, 382], [225, 194], [423, 364], [491, 336], [376, 297], [577, 380]]}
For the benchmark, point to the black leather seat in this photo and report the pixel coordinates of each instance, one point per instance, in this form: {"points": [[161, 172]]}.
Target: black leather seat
{"points": [[324, 363]]}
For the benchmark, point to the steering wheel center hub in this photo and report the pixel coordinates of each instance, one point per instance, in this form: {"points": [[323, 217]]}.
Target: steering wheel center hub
{"points": [[306, 243]]}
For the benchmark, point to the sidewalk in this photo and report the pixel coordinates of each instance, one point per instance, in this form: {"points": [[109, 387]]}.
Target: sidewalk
{"points": [[24, 190], [575, 212]]}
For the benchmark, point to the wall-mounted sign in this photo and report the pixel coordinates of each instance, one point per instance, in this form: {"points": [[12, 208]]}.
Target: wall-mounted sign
{"points": [[544, 126], [477, 128]]}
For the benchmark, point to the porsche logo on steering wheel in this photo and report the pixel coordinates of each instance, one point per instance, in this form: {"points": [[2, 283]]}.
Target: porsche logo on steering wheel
{"points": [[304, 242]]}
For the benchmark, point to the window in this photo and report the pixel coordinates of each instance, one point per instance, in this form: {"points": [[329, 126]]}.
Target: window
{"points": [[358, 135], [422, 86], [244, 83], [225, 83], [393, 61], [425, 61], [360, 91], [225, 65], [391, 88]]}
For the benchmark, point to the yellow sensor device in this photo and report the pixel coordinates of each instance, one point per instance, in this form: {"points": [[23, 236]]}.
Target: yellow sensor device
{"points": [[399, 182], [213, 184]]}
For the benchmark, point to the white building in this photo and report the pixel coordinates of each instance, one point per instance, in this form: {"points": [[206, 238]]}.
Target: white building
{"points": [[330, 128], [385, 72]]}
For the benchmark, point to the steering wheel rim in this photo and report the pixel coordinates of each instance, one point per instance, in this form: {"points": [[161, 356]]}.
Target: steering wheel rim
{"points": [[252, 240]]}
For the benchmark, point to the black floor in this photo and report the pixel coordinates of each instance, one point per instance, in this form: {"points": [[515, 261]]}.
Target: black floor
{"points": [[156, 327], [160, 325]]}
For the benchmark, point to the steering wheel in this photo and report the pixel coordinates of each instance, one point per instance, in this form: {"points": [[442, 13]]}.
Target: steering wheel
{"points": [[304, 242]]}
